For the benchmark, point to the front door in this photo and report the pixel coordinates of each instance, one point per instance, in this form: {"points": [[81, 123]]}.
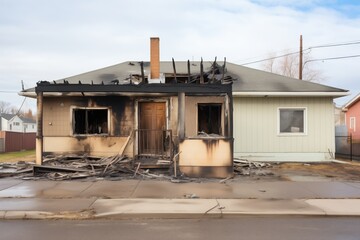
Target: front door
{"points": [[152, 123]]}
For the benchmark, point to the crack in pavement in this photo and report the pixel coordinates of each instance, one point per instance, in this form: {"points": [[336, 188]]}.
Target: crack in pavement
{"points": [[137, 185], [216, 206]]}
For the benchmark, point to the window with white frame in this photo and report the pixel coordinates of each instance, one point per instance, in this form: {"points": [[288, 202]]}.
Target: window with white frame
{"points": [[90, 121], [353, 123], [292, 121]]}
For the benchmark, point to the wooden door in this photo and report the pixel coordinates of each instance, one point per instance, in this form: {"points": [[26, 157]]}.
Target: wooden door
{"points": [[152, 123]]}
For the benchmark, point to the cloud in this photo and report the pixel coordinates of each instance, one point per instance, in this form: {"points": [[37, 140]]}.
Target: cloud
{"points": [[45, 40]]}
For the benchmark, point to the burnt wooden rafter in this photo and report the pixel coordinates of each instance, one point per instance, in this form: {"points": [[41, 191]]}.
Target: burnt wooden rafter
{"points": [[174, 68]]}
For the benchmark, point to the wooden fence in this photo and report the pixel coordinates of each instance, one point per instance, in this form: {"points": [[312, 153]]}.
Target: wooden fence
{"points": [[16, 141]]}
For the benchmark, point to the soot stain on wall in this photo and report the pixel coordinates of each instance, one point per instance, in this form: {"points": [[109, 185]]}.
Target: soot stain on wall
{"points": [[122, 111]]}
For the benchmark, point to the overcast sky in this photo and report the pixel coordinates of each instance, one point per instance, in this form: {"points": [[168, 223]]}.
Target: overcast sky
{"points": [[49, 40]]}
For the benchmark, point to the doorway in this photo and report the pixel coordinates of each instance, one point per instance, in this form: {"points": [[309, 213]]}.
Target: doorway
{"points": [[152, 128]]}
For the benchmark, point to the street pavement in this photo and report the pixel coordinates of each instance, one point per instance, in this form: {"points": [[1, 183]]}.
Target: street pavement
{"points": [[136, 198]]}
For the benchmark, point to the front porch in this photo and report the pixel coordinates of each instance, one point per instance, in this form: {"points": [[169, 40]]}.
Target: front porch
{"points": [[154, 148]]}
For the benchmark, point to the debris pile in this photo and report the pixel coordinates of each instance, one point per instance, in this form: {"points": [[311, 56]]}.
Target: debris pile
{"points": [[14, 169], [73, 167], [67, 167], [247, 167], [79, 166]]}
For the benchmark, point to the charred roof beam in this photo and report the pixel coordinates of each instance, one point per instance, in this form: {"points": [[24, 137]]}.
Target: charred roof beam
{"points": [[141, 88]]}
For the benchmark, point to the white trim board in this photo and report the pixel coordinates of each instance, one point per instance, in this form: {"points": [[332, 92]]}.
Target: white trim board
{"points": [[290, 94]]}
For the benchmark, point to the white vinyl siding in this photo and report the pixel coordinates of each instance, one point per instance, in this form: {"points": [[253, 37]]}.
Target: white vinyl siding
{"points": [[256, 125]]}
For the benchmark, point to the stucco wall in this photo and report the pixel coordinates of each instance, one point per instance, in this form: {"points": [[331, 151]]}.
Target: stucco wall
{"points": [[256, 129], [191, 114], [58, 130], [57, 117]]}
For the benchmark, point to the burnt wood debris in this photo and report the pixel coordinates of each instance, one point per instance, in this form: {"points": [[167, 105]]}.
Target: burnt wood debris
{"points": [[68, 167]]}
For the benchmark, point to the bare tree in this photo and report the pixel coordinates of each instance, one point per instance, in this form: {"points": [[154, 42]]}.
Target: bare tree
{"points": [[288, 65], [4, 107]]}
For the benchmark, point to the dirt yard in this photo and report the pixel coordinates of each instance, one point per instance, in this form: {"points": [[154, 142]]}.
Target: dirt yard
{"points": [[346, 171]]}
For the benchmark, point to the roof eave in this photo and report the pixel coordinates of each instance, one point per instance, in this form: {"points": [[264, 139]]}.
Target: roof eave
{"points": [[290, 94], [351, 102], [28, 94]]}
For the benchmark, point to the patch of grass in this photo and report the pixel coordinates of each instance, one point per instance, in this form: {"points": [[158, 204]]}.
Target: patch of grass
{"points": [[28, 155]]}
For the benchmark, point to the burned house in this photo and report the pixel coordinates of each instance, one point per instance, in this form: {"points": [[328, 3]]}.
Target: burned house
{"points": [[149, 111], [202, 113]]}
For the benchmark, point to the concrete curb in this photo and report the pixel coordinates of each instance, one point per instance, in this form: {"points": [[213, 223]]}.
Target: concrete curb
{"points": [[222, 208]]}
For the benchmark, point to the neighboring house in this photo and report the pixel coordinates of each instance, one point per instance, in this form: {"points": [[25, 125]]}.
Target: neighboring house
{"points": [[339, 116], [352, 117], [15, 123], [153, 108]]}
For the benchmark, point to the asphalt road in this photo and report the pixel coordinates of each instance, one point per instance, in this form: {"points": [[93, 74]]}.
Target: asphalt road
{"points": [[247, 227]]}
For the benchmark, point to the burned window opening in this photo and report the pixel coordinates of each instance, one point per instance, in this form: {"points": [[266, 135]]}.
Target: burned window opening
{"points": [[209, 118], [90, 121]]}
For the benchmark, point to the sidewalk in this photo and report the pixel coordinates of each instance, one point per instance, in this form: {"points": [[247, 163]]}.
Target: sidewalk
{"points": [[162, 199]]}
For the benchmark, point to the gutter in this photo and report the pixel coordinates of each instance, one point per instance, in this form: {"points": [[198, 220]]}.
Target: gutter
{"points": [[290, 94]]}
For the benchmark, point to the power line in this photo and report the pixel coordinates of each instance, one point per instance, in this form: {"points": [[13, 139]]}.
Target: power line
{"points": [[9, 91], [262, 60], [21, 106], [337, 44], [307, 49], [332, 58]]}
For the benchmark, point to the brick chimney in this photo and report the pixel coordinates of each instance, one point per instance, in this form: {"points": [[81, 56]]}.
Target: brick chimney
{"points": [[154, 58]]}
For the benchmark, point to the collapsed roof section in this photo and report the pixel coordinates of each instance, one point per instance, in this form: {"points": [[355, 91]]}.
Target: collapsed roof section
{"points": [[129, 80]]}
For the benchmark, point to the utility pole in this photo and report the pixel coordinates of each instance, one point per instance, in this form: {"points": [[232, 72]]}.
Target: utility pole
{"points": [[301, 58]]}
